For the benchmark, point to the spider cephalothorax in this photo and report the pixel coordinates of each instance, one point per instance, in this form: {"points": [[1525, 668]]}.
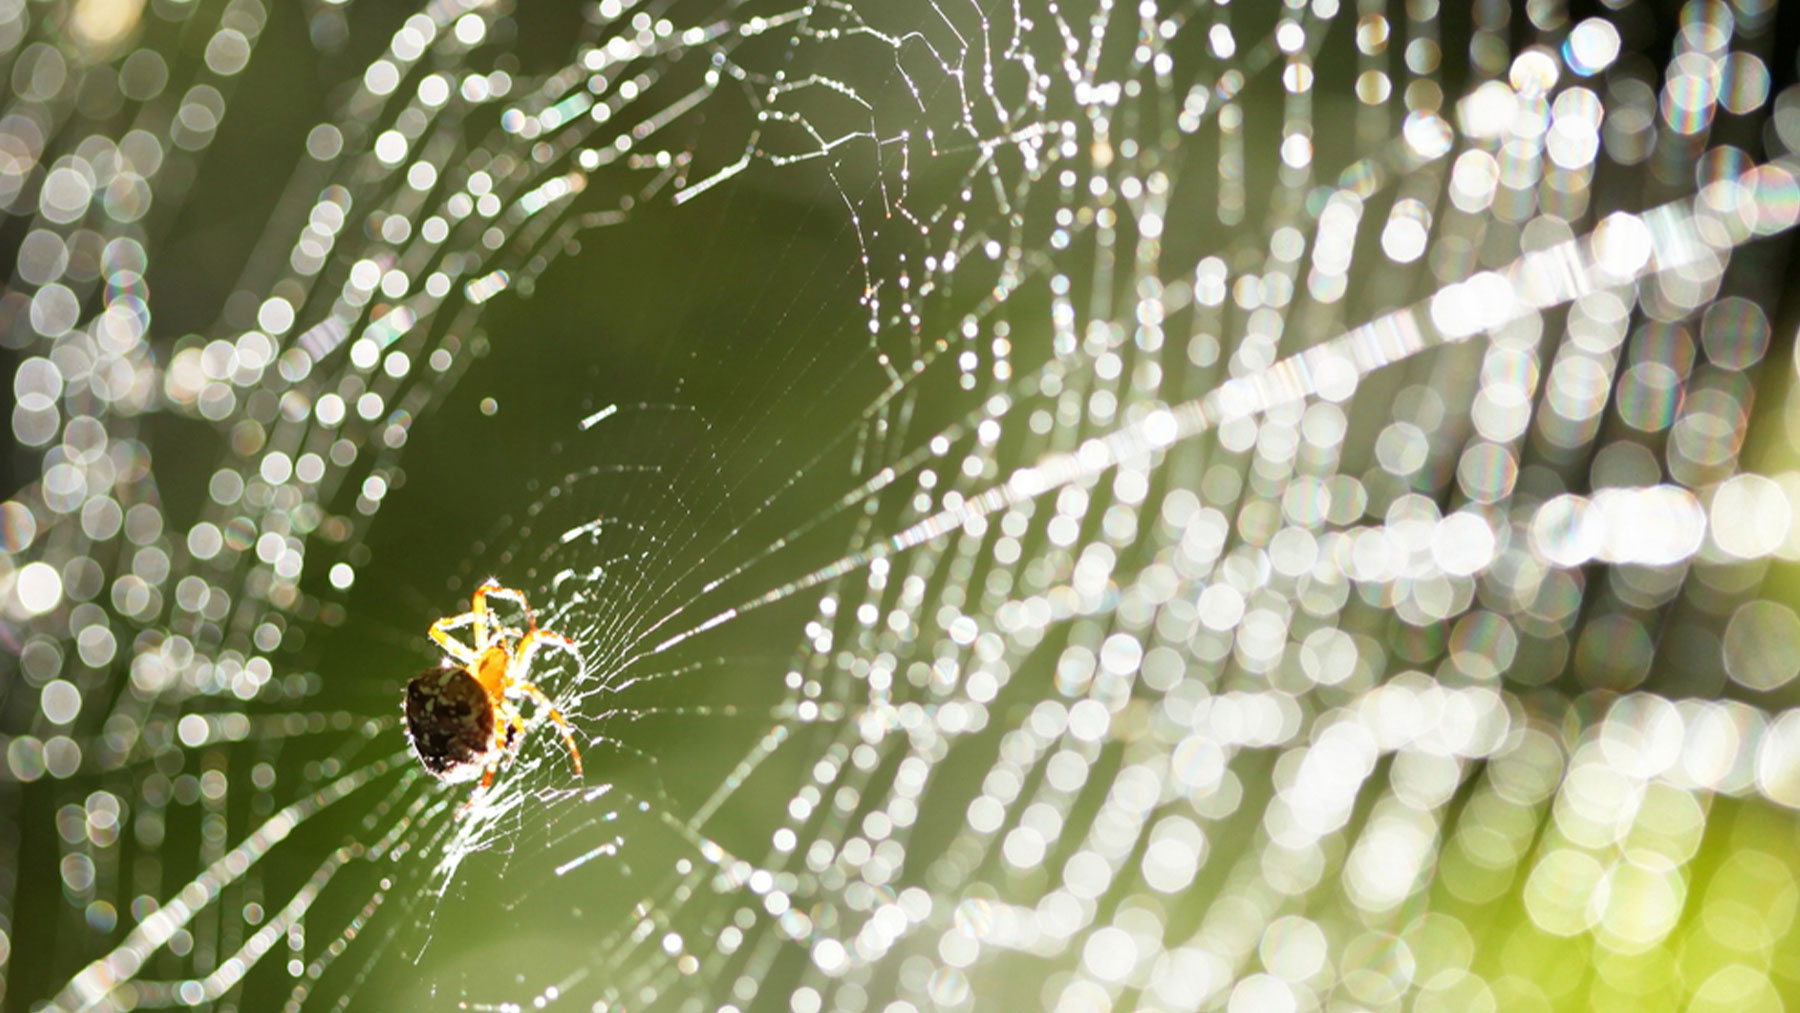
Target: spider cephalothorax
{"points": [[461, 718]]}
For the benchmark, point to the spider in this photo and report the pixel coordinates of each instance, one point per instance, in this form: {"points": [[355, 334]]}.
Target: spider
{"points": [[460, 717]]}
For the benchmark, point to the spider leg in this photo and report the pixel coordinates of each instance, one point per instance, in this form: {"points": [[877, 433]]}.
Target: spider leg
{"points": [[440, 632], [562, 725], [515, 731], [491, 588], [478, 608], [528, 647]]}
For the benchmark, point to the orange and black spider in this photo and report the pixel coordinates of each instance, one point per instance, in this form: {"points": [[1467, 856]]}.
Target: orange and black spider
{"points": [[461, 717]]}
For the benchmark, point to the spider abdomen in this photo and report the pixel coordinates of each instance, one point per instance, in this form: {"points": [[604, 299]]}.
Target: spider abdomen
{"points": [[450, 721]]}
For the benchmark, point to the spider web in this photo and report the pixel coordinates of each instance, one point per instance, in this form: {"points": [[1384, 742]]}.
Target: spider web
{"points": [[1168, 506]]}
